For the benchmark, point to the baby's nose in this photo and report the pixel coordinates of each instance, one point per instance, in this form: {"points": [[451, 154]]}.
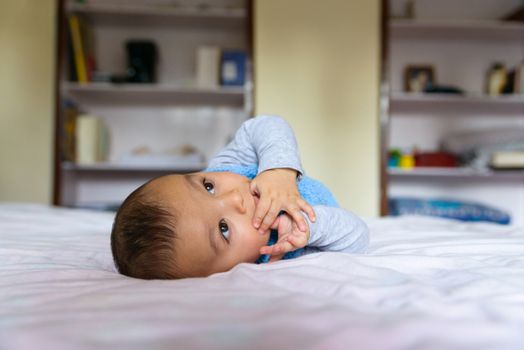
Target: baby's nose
{"points": [[234, 199]]}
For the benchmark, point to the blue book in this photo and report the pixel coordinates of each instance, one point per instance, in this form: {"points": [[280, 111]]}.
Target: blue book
{"points": [[233, 68]]}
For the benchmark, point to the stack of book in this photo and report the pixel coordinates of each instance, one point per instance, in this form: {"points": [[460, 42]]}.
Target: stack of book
{"points": [[92, 140], [216, 67], [85, 137], [81, 55]]}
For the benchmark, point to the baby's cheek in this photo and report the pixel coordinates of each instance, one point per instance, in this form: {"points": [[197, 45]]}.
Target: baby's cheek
{"points": [[253, 245]]}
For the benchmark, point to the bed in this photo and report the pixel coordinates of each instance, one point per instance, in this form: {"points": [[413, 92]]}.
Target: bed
{"points": [[425, 284]]}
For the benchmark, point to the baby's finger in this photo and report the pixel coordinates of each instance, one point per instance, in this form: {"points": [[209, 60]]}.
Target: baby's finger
{"points": [[297, 216], [275, 223], [270, 217], [282, 247], [298, 241], [308, 209], [253, 188], [262, 207], [277, 248], [268, 249]]}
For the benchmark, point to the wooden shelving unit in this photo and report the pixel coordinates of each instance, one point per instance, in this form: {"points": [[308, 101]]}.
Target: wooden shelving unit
{"points": [[461, 52], [401, 101], [166, 115], [160, 13], [460, 172], [485, 29], [142, 93]]}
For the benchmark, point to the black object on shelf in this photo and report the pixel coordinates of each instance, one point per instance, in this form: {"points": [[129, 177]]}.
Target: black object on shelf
{"points": [[517, 15], [509, 87], [142, 58], [443, 89]]}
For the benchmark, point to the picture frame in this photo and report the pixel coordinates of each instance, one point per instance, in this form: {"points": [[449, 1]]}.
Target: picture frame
{"points": [[418, 78]]}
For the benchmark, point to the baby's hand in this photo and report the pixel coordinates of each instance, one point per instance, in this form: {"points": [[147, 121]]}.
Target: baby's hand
{"points": [[277, 189], [289, 237]]}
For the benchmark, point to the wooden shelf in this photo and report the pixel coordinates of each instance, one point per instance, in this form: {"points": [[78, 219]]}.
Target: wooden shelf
{"points": [[400, 101], [481, 29], [464, 172], [115, 167], [119, 14], [461, 46], [164, 115], [154, 93]]}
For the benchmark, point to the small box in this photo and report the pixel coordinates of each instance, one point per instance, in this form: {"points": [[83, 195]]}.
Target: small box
{"points": [[207, 66], [233, 68], [435, 159]]}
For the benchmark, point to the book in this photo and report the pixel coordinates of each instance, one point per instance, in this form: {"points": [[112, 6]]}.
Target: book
{"points": [[207, 66], [92, 140], [69, 115], [71, 67], [508, 160], [88, 41], [78, 49], [233, 68]]}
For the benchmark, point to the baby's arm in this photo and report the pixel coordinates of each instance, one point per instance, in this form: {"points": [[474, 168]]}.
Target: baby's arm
{"points": [[265, 140], [335, 229], [338, 230]]}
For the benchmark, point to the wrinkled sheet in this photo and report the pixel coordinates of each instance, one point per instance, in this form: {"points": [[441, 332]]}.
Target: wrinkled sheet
{"points": [[425, 284]]}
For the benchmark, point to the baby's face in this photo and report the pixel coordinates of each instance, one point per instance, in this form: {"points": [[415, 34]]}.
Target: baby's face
{"points": [[214, 229]]}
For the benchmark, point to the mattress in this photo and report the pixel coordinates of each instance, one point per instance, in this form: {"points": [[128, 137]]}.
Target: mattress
{"points": [[424, 284]]}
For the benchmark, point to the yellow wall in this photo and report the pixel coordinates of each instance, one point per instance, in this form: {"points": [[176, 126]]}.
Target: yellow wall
{"points": [[27, 51], [317, 65]]}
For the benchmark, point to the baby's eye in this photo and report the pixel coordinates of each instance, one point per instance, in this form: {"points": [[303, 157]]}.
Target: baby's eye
{"points": [[224, 229], [209, 187]]}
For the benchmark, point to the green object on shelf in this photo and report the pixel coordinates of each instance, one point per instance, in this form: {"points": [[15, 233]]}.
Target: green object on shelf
{"points": [[394, 157]]}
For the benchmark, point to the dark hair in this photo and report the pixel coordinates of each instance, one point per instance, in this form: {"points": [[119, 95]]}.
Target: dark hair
{"points": [[143, 238]]}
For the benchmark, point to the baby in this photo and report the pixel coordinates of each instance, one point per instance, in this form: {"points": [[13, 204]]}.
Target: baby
{"points": [[252, 204]]}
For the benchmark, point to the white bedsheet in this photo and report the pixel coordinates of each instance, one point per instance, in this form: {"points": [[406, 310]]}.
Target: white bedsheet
{"points": [[425, 284]]}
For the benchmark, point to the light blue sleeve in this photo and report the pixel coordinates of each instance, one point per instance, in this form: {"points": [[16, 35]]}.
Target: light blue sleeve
{"points": [[337, 230], [264, 140]]}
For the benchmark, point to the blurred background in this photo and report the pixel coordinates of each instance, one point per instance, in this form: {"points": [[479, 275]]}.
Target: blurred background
{"points": [[399, 106], [456, 109]]}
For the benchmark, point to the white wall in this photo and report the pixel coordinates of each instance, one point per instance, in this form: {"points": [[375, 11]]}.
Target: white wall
{"points": [[317, 65], [27, 51]]}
